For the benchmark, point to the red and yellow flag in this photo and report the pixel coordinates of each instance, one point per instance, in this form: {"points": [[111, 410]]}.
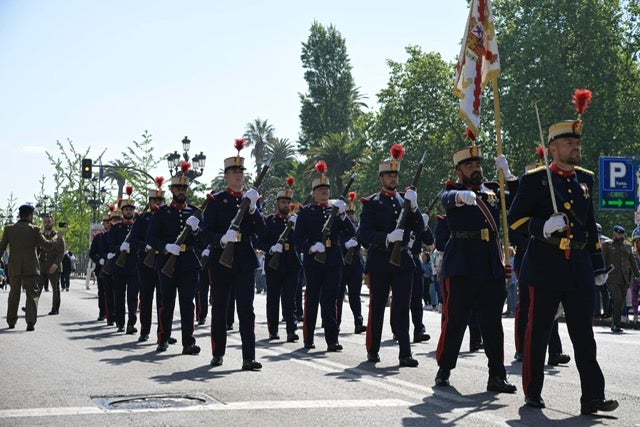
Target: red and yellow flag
{"points": [[478, 62]]}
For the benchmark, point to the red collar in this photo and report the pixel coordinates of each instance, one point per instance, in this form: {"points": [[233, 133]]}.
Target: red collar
{"points": [[179, 206], [322, 205], [562, 172], [279, 215], [388, 193], [236, 194], [127, 221]]}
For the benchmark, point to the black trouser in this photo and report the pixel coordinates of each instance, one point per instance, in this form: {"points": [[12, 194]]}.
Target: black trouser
{"points": [[65, 279], [109, 298], [202, 296], [125, 288], [460, 294], [578, 310], [417, 293], [380, 283], [322, 288], [224, 280], [351, 280], [184, 283], [281, 286], [148, 279], [522, 314]]}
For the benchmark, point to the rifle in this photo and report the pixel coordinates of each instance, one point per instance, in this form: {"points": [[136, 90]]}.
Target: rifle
{"points": [[396, 251], [106, 268], [348, 257], [122, 256], [226, 258], [275, 258], [321, 257], [170, 264]]}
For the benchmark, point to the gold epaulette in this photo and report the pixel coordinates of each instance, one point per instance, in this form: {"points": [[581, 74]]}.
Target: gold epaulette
{"points": [[581, 169], [536, 170]]}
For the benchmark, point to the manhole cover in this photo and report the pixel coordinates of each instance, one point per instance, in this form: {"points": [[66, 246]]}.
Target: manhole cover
{"points": [[154, 401]]}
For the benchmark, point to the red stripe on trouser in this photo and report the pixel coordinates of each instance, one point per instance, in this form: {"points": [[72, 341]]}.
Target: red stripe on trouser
{"points": [[446, 283], [305, 332], [211, 296], [369, 322], [526, 366]]}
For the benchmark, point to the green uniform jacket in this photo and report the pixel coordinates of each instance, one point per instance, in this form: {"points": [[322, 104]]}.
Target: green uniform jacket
{"points": [[24, 238]]}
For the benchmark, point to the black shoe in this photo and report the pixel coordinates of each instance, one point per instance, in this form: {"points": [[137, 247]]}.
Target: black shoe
{"points": [[534, 402], [100, 318], [251, 365], [360, 329], [163, 346], [30, 327], [292, 337], [53, 312], [616, 329], [12, 326], [558, 359], [309, 345], [172, 340], [518, 357], [598, 405], [131, 330], [110, 323], [120, 329], [474, 347], [229, 327], [373, 357], [143, 338], [274, 337], [334, 347], [421, 337], [500, 385], [442, 378], [192, 349], [24, 310], [202, 322], [216, 361], [408, 361]]}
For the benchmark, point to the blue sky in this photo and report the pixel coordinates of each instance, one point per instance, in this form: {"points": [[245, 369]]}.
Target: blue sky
{"points": [[100, 73]]}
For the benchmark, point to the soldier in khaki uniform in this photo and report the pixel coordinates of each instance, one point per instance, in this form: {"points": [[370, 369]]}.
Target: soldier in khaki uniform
{"points": [[51, 264], [24, 268]]}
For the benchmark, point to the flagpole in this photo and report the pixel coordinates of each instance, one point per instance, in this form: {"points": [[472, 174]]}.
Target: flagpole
{"points": [[503, 203]]}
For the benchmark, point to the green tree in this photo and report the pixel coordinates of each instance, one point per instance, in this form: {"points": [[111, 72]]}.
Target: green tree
{"points": [[118, 172], [141, 160], [340, 151], [332, 102], [257, 134]]}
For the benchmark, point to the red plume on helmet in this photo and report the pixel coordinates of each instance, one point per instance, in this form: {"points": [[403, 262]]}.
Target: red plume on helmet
{"points": [[129, 190], [185, 167], [292, 207], [321, 167], [290, 181], [582, 99], [540, 152], [240, 143], [470, 134], [352, 196], [159, 181], [397, 151], [112, 208]]}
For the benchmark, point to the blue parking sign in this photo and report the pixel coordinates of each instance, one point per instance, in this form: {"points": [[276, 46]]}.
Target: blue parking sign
{"points": [[617, 183]]}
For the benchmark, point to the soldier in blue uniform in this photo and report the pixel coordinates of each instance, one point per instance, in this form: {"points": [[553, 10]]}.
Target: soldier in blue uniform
{"points": [[352, 274], [164, 228], [283, 281], [563, 263], [378, 234], [94, 255], [472, 268], [125, 279], [147, 276], [115, 216], [323, 279], [417, 288], [222, 208]]}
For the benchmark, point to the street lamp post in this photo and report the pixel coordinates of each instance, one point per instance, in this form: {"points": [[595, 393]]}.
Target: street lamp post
{"points": [[198, 161], [95, 196], [45, 206]]}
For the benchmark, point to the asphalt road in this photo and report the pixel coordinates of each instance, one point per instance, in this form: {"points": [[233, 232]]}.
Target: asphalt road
{"points": [[75, 371]]}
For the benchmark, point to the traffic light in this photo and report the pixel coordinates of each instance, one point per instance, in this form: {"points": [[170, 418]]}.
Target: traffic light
{"points": [[86, 168]]}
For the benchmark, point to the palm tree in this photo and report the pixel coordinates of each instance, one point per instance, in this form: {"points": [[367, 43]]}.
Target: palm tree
{"points": [[257, 134], [340, 152], [119, 172]]}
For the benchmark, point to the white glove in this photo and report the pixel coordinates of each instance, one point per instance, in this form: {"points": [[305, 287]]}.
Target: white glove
{"points": [[425, 218], [229, 236], [341, 205], [293, 219], [276, 248], [412, 196], [253, 196], [193, 222], [601, 279], [101, 261], [395, 236], [503, 165], [147, 248], [110, 255], [172, 248], [124, 247], [553, 224], [351, 243], [205, 252], [317, 247], [466, 197]]}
